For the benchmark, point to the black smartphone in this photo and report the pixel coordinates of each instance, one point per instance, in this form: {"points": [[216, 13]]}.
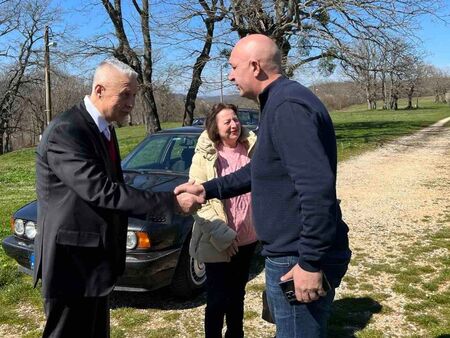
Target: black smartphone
{"points": [[288, 288]]}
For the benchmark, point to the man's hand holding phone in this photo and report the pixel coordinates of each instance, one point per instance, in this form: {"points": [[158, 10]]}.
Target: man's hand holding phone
{"points": [[304, 286]]}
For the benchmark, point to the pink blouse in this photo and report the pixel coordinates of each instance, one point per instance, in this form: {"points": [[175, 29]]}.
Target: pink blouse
{"points": [[239, 208]]}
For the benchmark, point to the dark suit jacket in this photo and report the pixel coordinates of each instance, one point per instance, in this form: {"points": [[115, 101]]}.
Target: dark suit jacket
{"points": [[83, 206]]}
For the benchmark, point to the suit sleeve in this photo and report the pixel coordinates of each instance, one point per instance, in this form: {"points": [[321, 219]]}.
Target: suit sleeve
{"points": [[231, 185], [296, 136], [71, 157]]}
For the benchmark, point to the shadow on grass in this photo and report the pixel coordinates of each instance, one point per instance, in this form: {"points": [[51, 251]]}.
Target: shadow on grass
{"points": [[163, 299], [376, 129], [350, 315]]}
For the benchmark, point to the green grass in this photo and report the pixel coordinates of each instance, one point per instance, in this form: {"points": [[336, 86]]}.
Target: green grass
{"points": [[357, 130], [424, 282]]}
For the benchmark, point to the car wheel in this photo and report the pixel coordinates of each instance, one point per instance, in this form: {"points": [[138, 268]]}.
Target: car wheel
{"points": [[190, 275]]}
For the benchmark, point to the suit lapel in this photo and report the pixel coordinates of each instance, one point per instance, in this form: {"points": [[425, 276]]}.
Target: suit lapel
{"points": [[100, 142]]}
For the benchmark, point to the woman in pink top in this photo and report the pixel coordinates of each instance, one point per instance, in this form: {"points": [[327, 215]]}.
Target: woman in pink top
{"points": [[223, 236]]}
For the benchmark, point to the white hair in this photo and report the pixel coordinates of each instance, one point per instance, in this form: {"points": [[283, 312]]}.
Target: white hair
{"points": [[120, 66], [116, 64]]}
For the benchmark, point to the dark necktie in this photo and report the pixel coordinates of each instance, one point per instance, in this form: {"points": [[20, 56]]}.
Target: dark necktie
{"points": [[111, 146]]}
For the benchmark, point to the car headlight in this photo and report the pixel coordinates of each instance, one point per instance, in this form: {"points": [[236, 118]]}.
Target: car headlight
{"points": [[30, 230], [132, 240], [138, 240], [19, 227]]}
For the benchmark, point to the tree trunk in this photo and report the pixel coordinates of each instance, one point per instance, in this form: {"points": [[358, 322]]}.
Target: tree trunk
{"points": [[7, 145], [285, 47], [149, 104], [196, 82], [153, 124], [126, 54], [1, 142], [410, 97], [202, 59], [2, 136], [384, 91], [394, 102], [409, 106], [369, 103], [436, 98]]}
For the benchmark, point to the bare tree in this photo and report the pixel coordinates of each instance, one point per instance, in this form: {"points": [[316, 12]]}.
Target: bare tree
{"points": [[307, 31], [66, 92], [439, 82], [413, 76], [9, 19], [403, 66], [34, 15], [211, 13], [362, 64], [142, 64]]}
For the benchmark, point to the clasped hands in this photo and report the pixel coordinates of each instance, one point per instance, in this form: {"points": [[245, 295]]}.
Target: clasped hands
{"points": [[189, 197]]}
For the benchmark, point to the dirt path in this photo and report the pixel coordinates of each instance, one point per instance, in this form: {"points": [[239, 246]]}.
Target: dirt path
{"points": [[391, 197]]}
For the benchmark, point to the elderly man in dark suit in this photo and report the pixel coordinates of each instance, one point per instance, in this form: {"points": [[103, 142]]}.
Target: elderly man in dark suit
{"points": [[83, 206]]}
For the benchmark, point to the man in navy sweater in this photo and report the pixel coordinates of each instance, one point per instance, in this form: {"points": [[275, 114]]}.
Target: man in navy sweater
{"points": [[292, 177]]}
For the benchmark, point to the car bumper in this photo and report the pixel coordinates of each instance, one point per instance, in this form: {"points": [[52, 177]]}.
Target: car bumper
{"points": [[148, 271], [20, 250], [143, 271]]}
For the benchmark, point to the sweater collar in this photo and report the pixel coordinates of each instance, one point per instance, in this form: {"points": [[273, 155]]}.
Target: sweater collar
{"points": [[262, 98]]}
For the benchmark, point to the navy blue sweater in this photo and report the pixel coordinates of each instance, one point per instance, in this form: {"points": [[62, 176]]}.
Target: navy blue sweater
{"points": [[292, 177]]}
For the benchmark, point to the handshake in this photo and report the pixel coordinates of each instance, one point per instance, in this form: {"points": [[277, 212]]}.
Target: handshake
{"points": [[189, 197]]}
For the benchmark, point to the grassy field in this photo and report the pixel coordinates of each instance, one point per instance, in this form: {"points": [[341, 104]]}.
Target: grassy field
{"points": [[357, 130]]}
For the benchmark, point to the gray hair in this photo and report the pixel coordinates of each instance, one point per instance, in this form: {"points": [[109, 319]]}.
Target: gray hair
{"points": [[123, 68], [118, 65]]}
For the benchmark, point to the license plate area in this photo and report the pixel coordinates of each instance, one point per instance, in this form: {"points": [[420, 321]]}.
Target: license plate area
{"points": [[32, 261]]}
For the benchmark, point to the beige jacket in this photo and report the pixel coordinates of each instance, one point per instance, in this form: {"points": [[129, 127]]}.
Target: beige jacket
{"points": [[211, 234]]}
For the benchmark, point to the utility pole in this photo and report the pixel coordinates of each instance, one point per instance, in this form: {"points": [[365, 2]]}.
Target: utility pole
{"points": [[48, 96], [221, 83]]}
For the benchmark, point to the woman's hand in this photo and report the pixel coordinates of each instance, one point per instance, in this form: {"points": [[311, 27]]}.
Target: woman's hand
{"points": [[232, 249]]}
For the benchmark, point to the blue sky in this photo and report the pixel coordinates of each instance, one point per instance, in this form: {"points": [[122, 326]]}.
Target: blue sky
{"points": [[433, 33], [435, 36]]}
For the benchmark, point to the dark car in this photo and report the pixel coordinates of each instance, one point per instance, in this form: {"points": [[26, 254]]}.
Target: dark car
{"points": [[157, 251], [199, 121], [249, 118]]}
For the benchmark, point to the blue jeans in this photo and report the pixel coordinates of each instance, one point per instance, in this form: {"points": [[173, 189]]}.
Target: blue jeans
{"points": [[308, 320]]}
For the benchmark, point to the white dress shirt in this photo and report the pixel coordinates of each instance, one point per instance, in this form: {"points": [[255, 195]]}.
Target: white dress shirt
{"points": [[99, 120]]}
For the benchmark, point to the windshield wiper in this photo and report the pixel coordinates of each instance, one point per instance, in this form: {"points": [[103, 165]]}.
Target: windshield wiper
{"points": [[135, 171]]}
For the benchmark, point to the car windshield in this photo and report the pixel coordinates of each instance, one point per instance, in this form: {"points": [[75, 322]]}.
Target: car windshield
{"points": [[163, 152], [248, 117]]}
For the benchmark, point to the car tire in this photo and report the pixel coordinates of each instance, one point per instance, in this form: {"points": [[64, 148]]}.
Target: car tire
{"points": [[190, 275]]}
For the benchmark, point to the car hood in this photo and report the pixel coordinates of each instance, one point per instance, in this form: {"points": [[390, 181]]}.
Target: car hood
{"points": [[154, 181], [142, 181]]}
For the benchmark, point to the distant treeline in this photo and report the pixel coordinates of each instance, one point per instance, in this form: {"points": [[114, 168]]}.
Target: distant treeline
{"points": [[339, 95]]}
